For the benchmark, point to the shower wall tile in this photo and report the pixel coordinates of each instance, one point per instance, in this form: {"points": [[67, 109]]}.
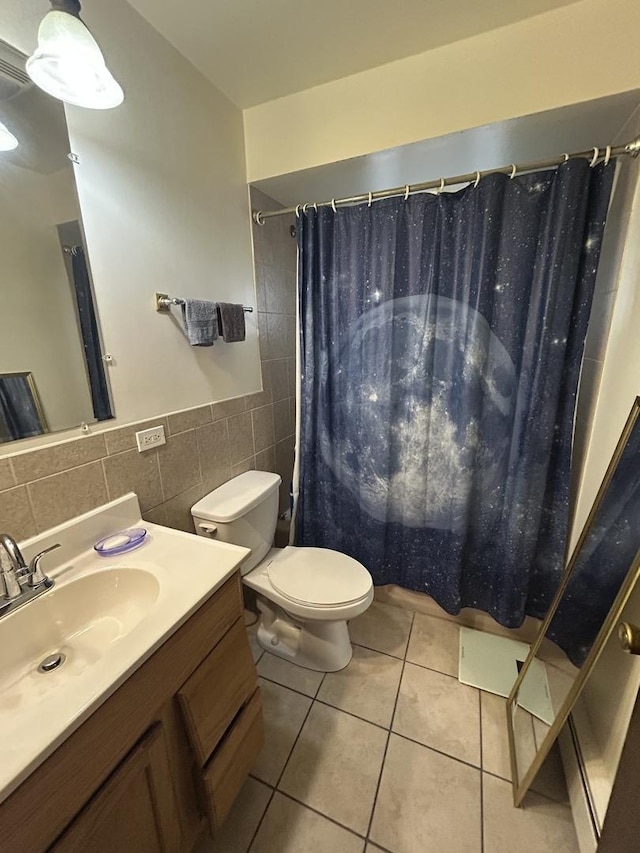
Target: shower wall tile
{"points": [[52, 460], [279, 379], [263, 433]]}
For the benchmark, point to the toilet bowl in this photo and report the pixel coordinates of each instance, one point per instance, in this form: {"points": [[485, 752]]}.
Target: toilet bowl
{"points": [[305, 595]]}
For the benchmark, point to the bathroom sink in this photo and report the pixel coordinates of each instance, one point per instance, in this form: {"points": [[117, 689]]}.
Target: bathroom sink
{"points": [[80, 619]]}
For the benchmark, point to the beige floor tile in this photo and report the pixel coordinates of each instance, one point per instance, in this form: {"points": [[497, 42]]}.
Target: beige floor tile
{"points": [[541, 827], [427, 802], [284, 713], [289, 827], [382, 627], [438, 711], [335, 766], [435, 643], [238, 829], [495, 737], [366, 688], [296, 677]]}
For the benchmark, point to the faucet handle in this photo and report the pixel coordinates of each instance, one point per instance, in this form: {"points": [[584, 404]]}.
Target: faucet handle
{"points": [[36, 575]]}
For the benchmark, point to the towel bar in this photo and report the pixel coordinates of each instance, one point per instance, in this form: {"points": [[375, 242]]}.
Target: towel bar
{"points": [[163, 303]]}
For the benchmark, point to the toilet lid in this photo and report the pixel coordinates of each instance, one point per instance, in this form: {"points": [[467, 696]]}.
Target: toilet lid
{"points": [[319, 576]]}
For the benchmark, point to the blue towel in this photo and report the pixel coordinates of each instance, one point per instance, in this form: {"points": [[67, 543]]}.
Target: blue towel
{"points": [[231, 322], [200, 322]]}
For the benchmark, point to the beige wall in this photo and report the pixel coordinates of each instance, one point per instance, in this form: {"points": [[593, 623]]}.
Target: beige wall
{"points": [[163, 196], [576, 53]]}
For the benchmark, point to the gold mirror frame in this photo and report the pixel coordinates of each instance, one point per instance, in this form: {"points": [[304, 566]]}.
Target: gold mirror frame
{"points": [[520, 788]]}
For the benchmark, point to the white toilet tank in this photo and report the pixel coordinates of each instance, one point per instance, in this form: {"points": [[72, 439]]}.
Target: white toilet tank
{"points": [[244, 511]]}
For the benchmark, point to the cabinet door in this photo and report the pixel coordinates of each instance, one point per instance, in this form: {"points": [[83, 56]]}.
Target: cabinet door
{"points": [[217, 690], [134, 810]]}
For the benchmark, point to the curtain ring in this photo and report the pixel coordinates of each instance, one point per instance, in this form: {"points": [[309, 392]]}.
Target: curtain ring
{"points": [[441, 187], [257, 216], [514, 169], [315, 206], [406, 191], [477, 180], [566, 157], [607, 156], [594, 159], [297, 211], [333, 205], [370, 199]]}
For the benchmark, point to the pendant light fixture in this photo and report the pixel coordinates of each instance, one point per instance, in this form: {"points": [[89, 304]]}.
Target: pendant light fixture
{"points": [[7, 140], [68, 63]]}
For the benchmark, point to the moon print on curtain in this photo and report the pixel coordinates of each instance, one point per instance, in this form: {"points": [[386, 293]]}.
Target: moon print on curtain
{"points": [[442, 338]]}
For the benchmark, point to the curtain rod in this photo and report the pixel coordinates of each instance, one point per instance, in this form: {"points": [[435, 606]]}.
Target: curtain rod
{"points": [[593, 154]]}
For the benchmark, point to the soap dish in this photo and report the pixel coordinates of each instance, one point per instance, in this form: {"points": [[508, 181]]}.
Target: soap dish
{"points": [[121, 542]]}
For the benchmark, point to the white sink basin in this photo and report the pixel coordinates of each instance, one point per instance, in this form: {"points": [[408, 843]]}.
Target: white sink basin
{"points": [[82, 619]]}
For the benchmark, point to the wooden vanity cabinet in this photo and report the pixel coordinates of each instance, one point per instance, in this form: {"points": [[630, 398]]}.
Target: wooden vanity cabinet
{"points": [[167, 752]]}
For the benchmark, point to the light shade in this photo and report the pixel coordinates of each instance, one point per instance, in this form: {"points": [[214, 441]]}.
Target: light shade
{"points": [[69, 65], [7, 140]]}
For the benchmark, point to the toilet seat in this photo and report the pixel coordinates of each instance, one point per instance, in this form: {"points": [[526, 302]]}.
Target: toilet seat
{"points": [[318, 577]]}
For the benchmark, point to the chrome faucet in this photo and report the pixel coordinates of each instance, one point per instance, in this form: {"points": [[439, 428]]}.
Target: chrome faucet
{"points": [[20, 582]]}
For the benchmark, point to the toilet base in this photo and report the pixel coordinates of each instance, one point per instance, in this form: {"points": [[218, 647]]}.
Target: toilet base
{"points": [[324, 646]]}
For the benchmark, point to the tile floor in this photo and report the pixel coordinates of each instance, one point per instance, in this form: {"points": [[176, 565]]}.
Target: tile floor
{"points": [[391, 754]]}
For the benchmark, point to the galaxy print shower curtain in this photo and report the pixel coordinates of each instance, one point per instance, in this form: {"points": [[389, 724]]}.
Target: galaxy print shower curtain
{"points": [[441, 344]]}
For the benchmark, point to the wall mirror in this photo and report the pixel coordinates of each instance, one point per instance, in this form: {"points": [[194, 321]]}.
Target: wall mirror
{"points": [[600, 577], [50, 327]]}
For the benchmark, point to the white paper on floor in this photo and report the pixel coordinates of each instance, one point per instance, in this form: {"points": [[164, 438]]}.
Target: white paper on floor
{"points": [[491, 663]]}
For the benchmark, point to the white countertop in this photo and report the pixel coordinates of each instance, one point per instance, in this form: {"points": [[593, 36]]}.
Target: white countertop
{"points": [[38, 712]]}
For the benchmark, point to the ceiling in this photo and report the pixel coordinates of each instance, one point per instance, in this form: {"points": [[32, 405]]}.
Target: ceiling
{"points": [[258, 50]]}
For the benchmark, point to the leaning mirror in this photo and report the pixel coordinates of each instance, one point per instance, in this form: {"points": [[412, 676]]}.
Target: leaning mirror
{"points": [[51, 370], [600, 577]]}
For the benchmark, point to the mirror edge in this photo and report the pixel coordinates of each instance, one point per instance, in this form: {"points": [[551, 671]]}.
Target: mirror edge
{"points": [[633, 573]]}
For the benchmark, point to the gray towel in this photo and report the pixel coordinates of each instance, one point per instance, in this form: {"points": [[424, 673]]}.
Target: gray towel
{"points": [[200, 322], [231, 321]]}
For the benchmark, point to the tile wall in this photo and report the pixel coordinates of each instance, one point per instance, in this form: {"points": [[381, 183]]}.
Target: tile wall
{"points": [[275, 254], [206, 446]]}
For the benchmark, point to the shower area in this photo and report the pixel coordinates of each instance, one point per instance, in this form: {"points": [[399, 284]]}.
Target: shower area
{"points": [[451, 343]]}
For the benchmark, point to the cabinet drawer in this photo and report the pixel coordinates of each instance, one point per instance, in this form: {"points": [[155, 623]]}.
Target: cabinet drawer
{"points": [[226, 772], [217, 690]]}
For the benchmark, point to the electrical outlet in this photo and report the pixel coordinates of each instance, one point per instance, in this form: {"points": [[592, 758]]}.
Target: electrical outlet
{"points": [[148, 438]]}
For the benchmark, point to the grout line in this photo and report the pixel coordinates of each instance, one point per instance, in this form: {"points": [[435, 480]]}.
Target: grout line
{"points": [[293, 745], [386, 746], [323, 702], [322, 814], [439, 751], [257, 829]]}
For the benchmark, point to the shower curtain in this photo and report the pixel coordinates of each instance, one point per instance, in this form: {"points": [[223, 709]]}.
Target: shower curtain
{"points": [[441, 345]]}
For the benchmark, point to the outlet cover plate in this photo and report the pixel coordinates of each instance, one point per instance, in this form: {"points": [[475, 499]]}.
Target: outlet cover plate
{"points": [[147, 439]]}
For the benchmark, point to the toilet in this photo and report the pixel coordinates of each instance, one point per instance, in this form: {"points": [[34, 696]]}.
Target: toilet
{"points": [[305, 595]]}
